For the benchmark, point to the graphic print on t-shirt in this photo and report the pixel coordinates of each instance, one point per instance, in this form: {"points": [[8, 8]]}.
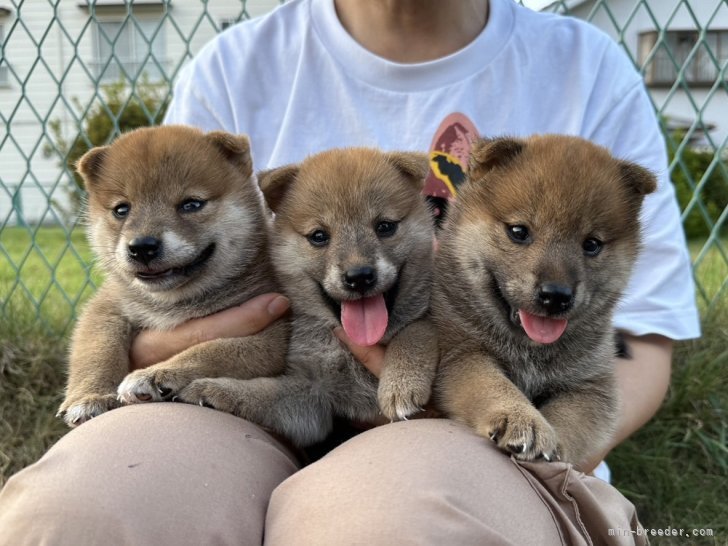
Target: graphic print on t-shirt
{"points": [[449, 153]]}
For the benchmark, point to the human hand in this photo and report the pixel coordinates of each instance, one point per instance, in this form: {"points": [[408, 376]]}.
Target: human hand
{"points": [[372, 357], [153, 346]]}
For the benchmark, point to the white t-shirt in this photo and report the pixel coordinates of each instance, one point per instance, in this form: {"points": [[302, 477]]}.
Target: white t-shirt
{"points": [[297, 83]]}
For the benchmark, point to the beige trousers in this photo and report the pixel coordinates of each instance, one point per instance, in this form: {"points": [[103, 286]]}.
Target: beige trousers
{"points": [[177, 474]]}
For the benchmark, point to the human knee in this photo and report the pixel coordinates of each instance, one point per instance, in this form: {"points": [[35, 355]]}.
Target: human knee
{"points": [[426, 482], [185, 473]]}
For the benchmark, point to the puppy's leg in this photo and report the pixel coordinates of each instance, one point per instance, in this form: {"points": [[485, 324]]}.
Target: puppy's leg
{"points": [[410, 364], [291, 406], [259, 355], [584, 419], [472, 389], [98, 361]]}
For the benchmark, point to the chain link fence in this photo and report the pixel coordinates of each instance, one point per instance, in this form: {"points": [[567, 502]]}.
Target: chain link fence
{"points": [[76, 74]]}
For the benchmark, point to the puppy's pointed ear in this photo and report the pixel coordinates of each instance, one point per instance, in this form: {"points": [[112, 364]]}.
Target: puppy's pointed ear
{"points": [[275, 183], [235, 148], [413, 165], [637, 178], [89, 166], [487, 154]]}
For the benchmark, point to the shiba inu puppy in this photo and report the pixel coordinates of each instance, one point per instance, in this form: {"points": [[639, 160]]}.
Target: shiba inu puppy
{"points": [[352, 247], [533, 260], [178, 227]]}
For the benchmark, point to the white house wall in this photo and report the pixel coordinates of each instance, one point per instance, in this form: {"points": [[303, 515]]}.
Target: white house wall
{"points": [[672, 15], [47, 50], [46, 84]]}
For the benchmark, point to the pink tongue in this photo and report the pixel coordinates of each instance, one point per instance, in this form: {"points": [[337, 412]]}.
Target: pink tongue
{"points": [[365, 320], [542, 329]]}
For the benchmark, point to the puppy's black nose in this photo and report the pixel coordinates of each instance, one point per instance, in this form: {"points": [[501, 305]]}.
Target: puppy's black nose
{"points": [[144, 249], [555, 298], [360, 279]]}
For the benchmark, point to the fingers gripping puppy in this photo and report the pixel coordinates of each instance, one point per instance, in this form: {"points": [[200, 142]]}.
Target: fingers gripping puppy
{"points": [[352, 247], [534, 257], [178, 228]]}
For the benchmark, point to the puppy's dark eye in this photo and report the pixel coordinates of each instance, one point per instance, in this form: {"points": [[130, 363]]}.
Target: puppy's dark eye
{"points": [[519, 234], [318, 238], [592, 246], [191, 205], [121, 210], [386, 228]]}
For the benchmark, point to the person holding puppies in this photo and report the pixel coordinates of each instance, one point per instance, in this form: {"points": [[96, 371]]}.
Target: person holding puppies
{"points": [[318, 74]]}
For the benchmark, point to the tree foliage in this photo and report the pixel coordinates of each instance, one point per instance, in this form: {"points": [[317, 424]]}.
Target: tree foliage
{"points": [[117, 109], [699, 177]]}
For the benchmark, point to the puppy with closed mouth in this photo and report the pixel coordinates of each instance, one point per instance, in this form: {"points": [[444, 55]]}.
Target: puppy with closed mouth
{"points": [[179, 230], [534, 257], [352, 248]]}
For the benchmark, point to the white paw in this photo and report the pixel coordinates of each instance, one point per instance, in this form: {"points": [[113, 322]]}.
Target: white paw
{"points": [[398, 402], [520, 430], [82, 409], [140, 387]]}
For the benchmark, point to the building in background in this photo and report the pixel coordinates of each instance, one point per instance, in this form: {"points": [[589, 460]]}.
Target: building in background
{"points": [[55, 62], [682, 49]]}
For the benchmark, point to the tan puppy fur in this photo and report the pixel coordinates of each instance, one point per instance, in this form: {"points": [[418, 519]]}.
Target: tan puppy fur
{"points": [[542, 237], [178, 228], [351, 226]]}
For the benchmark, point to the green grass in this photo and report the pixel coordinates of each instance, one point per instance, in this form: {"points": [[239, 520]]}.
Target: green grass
{"points": [[710, 264], [32, 377], [675, 469], [49, 278]]}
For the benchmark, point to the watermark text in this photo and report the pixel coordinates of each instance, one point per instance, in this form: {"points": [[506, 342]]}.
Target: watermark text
{"points": [[664, 532]]}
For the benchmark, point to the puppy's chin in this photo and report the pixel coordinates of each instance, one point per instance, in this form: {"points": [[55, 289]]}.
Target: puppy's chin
{"points": [[162, 283], [162, 278]]}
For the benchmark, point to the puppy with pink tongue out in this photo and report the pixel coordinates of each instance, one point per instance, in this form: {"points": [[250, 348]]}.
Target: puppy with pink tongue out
{"points": [[352, 247], [534, 256]]}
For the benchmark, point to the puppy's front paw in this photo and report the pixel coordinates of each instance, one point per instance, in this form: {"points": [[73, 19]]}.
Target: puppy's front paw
{"points": [[77, 410], [150, 385], [400, 399], [210, 393], [521, 430]]}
